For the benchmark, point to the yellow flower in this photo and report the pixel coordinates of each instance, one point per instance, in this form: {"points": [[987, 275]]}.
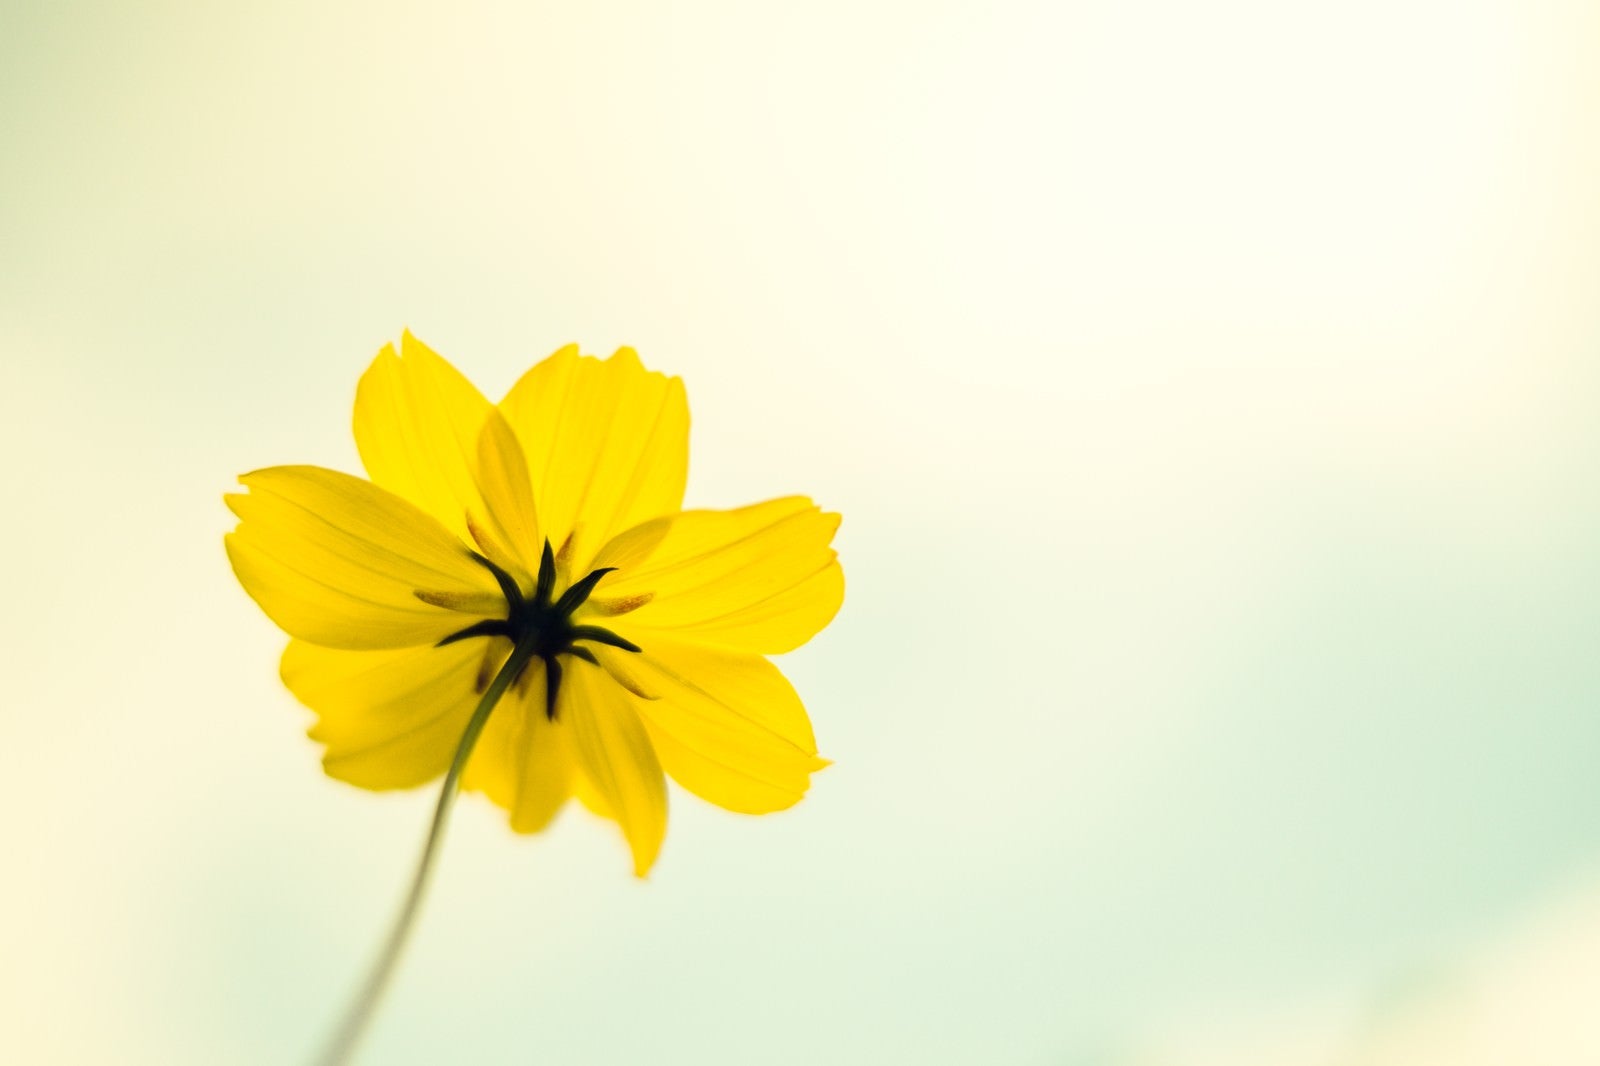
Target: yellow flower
{"points": [[540, 539]]}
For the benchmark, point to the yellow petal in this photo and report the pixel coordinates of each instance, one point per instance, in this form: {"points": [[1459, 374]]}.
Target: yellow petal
{"points": [[589, 797], [614, 753], [630, 548], [338, 561], [523, 761], [623, 666], [727, 726], [389, 719], [508, 527], [761, 578], [417, 422], [607, 444]]}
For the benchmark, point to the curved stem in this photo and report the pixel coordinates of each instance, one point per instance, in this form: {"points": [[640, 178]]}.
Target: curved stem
{"points": [[365, 1005]]}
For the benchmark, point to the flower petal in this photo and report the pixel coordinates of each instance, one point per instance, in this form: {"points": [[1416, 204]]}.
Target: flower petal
{"points": [[417, 421], [589, 797], [338, 561], [389, 719], [508, 527], [727, 726], [616, 757], [523, 761], [607, 444], [761, 578]]}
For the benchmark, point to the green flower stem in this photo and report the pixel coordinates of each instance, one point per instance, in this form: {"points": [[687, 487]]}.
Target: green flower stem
{"points": [[365, 1005]]}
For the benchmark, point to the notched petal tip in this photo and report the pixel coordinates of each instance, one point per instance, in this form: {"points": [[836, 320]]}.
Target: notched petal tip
{"points": [[387, 354], [626, 357], [412, 347]]}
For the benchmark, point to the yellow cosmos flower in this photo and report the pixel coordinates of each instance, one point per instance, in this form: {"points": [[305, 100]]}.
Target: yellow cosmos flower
{"points": [[535, 553]]}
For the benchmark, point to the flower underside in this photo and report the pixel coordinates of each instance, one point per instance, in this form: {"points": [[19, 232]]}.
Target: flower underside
{"points": [[444, 542], [543, 625], [593, 456]]}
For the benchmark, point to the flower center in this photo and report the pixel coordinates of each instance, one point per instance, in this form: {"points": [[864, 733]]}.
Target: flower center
{"points": [[543, 624]]}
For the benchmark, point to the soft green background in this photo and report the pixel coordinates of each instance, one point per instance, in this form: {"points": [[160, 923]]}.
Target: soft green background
{"points": [[1210, 391]]}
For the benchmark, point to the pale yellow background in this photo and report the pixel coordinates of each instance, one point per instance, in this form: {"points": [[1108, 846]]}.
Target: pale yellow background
{"points": [[1210, 391]]}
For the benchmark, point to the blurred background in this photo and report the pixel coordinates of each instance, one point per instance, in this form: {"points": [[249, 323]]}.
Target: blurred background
{"points": [[1209, 390]]}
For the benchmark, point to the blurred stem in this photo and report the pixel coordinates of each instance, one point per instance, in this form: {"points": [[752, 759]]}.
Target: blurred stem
{"points": [[359, 1016]]}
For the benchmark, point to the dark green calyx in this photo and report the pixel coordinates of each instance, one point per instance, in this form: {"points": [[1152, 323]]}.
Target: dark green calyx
{"points": [[544, 625]]}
